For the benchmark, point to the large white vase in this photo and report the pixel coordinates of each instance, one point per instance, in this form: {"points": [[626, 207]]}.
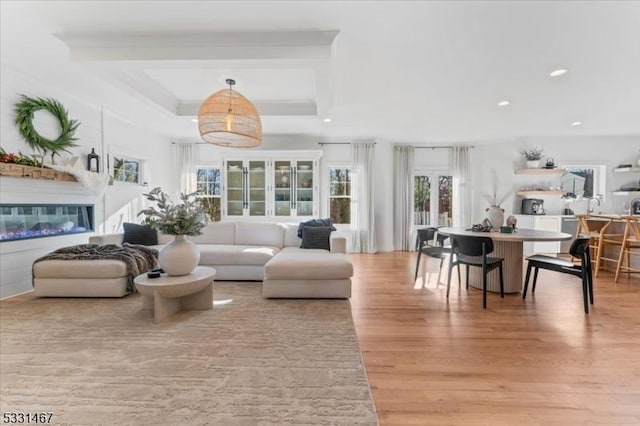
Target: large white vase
{"points": [[496, 216], [179, 257]]}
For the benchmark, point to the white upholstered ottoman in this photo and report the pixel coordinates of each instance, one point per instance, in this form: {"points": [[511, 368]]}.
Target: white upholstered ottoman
{"points": [[80, 278], [307, 273]]}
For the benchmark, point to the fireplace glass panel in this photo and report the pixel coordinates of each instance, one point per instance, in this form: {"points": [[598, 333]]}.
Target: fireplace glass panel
{"points": [[26, 221]]}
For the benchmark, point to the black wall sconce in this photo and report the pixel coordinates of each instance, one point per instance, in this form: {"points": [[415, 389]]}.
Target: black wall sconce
{"points": [[93, 161]]}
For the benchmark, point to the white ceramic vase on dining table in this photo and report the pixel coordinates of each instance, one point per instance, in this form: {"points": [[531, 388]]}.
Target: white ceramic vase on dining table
{"points": [[495, 214]]}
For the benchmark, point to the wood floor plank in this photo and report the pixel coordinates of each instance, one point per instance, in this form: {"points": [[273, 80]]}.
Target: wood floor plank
{"points": [[539, 361]]}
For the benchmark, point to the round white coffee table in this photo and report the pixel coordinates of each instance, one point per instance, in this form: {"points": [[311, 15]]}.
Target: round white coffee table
{"points": [[167, 295]]}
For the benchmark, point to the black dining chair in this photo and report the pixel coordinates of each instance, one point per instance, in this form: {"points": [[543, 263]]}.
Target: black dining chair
{"points": [[474, 251], [580, 249], [424, 245]]}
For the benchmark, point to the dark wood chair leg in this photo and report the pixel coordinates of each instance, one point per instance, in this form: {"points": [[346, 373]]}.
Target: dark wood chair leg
{"points": [[526, 280], [484, 288], [501, 282], [459, 279], [585, 290], [449, 277], [535, 280], [590, 278], [417, 265], [467, 277]]}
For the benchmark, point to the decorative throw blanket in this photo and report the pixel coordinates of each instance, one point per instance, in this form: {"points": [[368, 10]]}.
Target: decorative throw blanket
{"points": [[139, 259]]}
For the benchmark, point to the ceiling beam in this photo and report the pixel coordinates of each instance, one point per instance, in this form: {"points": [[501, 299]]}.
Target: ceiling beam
{"points": [[254, 45], [265, 108]]}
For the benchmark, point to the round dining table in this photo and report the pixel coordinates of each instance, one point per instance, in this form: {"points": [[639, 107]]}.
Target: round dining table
{"points": [[509, 247]]}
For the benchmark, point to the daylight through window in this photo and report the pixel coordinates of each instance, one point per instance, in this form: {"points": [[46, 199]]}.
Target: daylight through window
{"points": [[340, 195], [209, 187], [126, 169]]}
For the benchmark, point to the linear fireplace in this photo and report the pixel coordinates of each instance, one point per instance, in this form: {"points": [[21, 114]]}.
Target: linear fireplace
{"points": [[26, 221]]}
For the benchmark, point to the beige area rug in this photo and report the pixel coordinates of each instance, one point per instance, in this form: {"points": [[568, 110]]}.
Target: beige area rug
{"points": [[248, 362]]}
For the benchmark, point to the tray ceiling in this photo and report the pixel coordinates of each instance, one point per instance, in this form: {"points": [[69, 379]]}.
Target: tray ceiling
{"points": [[400, 71]]}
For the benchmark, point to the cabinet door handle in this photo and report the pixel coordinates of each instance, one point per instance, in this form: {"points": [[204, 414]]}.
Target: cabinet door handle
{"points": [[295, 186], [245, 189]]}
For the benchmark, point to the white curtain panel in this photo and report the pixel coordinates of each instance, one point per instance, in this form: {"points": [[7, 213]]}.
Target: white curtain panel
{"points": [[183, 152], [402, 196], [363, 228], [461, 186]]}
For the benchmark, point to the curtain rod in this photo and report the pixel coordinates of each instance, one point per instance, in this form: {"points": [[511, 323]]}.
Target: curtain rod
{"points": [[339, 143], [195, 143], [442, 147]]}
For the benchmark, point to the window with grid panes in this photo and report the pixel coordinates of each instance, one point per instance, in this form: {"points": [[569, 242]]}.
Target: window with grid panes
{"points": [[432, 197], [209, 187], [340, 195], [126, 169]]}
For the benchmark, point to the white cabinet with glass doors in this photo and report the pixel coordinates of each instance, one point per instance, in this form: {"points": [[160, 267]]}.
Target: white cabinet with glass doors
{"points": [[271, 187], [295, 188], [245, 188]]}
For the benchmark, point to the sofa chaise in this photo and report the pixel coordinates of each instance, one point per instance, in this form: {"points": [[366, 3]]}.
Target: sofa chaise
{"points": [[241, 251]]}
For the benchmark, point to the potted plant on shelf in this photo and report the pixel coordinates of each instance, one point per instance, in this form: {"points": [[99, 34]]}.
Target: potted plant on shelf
{"points": [[533, 156], [181, 256]]}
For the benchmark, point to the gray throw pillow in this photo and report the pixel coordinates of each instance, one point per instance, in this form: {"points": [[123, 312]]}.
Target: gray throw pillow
{"points": [[316, 222], [316, 237], [143, 235]]}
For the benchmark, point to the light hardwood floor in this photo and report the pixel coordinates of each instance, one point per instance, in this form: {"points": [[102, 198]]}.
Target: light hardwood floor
{"points": [[541, 361]]}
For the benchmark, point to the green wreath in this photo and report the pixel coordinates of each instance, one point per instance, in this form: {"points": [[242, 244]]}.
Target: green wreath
{"points": [[25, 110]]}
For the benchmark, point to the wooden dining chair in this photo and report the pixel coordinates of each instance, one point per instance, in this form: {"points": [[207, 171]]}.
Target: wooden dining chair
{"points": [[580, 249], [474, 251], [598, 229], [630, 247]]}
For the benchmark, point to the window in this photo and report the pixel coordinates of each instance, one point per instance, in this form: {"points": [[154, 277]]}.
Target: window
{"points": [[340, 195], [583, 180], [432, 193], [209, 187], [126, 169]]}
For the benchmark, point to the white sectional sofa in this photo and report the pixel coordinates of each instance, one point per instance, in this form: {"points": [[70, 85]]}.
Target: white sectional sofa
{"points": [[268, 252]]}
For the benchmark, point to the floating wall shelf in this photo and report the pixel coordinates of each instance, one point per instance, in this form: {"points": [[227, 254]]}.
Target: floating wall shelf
{"points": [[627, 170], [530, 193], [625, 193], [540, 171]]}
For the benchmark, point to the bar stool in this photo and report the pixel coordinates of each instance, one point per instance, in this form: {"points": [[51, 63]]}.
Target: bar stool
{"points": [[630, 246], [596, 227]]}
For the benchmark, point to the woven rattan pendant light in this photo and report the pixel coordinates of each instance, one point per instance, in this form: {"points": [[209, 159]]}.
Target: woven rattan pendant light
{"points": [[227, 118]]}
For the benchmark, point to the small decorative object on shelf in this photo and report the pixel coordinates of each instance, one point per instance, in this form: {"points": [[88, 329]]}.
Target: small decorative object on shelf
{"points": [[181, 256], [512, 221], [533, 156], [550, 164], [93, 161]]}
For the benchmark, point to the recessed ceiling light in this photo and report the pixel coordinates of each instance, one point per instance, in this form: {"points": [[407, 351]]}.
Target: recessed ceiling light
{"points": [[195, 120], [558, 72], [576, 123], [327, 120], [504, 103]]}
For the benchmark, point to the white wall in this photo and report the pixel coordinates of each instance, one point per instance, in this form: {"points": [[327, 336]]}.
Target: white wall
{"points": [[499, 158], [503, 158], [120, 202]]}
